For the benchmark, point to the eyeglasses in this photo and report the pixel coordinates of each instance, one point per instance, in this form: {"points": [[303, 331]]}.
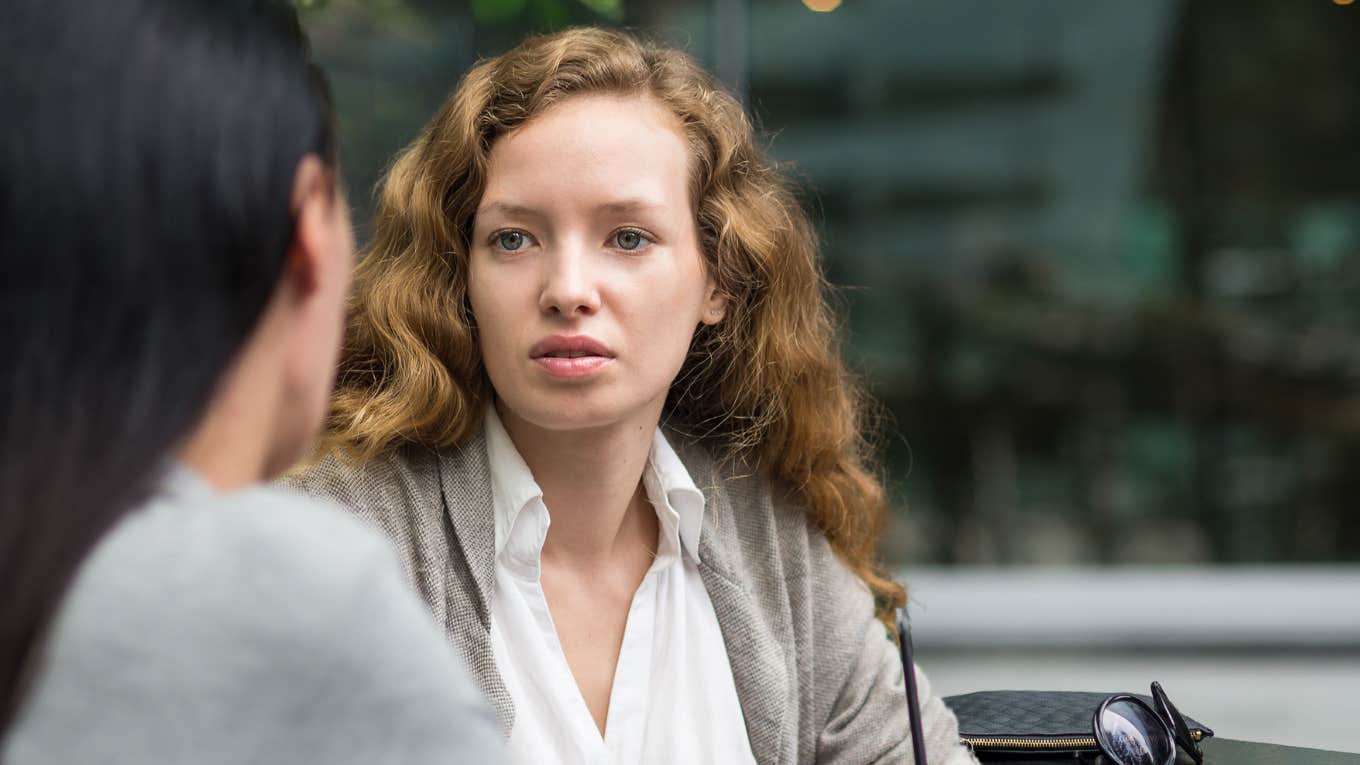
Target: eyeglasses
{"points": [[1130, 732]]}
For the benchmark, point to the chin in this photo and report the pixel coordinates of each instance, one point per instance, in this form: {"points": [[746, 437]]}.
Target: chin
{"points": [[567, 419], [569, 411]]}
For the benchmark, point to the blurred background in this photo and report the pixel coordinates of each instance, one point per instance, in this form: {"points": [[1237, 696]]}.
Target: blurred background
{"points": [[1100, 263]]}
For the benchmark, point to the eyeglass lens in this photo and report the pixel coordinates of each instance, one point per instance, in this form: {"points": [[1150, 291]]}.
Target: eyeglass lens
{"points": [[1132, 734]]}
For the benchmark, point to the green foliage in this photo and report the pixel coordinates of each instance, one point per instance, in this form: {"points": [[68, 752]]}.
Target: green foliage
{"points": [[497, 11], [610, 9], [541, 15]]}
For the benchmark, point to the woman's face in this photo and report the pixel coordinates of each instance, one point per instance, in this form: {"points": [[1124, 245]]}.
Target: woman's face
{"points": [[586, 279]]}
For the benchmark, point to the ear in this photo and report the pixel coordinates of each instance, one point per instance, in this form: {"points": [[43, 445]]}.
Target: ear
{"points": [[312, 201], [715, 304]]}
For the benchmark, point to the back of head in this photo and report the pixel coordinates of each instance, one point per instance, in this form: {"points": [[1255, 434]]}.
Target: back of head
{"points": [[147, 158]]}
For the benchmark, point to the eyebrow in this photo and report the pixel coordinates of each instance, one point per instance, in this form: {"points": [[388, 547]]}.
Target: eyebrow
{"points": [[510, 210], [630, 205]]}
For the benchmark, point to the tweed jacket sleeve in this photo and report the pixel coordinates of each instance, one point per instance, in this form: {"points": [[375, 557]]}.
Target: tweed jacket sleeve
{"points": [[867, 720], [797, 604]]}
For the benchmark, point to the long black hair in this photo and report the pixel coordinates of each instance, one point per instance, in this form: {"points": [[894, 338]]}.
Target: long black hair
{"points": [[147, 156]]}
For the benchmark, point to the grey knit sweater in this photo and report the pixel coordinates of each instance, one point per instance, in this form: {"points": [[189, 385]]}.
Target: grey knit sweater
{"points": [[818, 677], [254, 627]]}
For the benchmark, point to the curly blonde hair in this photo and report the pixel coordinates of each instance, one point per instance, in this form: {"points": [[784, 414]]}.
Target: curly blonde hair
{"points": [[768, 380]]}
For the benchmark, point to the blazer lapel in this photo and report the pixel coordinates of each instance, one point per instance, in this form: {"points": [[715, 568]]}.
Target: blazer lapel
{"points": [[465, 478], [760, 668]]}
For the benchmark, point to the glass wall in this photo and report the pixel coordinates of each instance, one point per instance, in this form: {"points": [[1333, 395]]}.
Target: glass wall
{"points": [[1098, 260]]}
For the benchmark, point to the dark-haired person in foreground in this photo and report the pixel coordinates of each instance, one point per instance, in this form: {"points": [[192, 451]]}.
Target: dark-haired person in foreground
{"points": [[174, 256]]}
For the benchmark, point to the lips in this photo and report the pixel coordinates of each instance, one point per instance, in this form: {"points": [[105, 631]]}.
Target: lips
{"points": [[575, 356], [569, 346]]}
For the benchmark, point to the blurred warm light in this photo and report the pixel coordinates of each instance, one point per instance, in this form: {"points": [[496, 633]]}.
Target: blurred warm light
{"points": [[1343, 2], [824, 6]]}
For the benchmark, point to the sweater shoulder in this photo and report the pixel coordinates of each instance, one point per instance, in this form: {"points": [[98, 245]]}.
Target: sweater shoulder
{"points": [[242, 613], [253, 555]]}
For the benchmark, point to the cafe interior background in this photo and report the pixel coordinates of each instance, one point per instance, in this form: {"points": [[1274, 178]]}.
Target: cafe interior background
{"points": [[1100, 264]]}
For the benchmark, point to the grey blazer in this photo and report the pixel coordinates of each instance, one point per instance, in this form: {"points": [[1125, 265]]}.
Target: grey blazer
{"points": [[818, 677]]}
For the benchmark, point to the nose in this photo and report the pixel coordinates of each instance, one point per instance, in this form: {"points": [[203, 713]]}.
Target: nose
{"points": [[568, 288]]}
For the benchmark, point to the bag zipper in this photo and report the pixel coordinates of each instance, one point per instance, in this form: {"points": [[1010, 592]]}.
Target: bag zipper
{"points": [[983, 743]]}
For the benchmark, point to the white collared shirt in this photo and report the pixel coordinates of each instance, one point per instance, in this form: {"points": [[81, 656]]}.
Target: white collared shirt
{"points": [[673, 698]]}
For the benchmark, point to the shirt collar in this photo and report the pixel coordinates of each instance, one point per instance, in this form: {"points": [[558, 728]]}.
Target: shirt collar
{"points": [[522, 519], [681, 497]]}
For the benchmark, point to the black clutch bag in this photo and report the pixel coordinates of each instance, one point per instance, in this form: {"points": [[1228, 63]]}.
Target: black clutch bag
{"points": [[1015, 724]]}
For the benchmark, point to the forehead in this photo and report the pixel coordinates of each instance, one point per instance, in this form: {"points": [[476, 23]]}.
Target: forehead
{"points": [[593, 150]]}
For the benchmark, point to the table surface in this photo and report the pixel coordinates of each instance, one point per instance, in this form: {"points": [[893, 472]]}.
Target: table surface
{"points": [[1222, 751]]}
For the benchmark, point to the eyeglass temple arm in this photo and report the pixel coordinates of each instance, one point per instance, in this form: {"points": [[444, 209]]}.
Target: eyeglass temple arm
{"points": [[918, 740]]}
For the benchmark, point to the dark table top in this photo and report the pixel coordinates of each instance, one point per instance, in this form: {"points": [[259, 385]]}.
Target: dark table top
{"points": [[1222, 751]]}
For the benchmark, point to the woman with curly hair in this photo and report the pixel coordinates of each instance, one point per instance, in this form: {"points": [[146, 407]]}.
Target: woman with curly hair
{"points": [[592, 390]]}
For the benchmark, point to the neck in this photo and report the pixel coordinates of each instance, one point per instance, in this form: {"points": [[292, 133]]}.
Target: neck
{"points": [[231, 446], [592, 483]]}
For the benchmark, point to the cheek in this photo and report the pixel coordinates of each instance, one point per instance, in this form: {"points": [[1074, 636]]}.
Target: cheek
{"points": [[481, 287], [489, 301], [670, 308]]}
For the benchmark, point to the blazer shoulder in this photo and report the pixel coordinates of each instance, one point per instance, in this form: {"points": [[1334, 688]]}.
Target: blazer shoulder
{"points": [[757, 528], [401, 478], [766, 534]]}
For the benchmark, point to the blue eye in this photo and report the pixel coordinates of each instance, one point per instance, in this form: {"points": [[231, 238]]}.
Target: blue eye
{"points": [[510, 241], [631, 240]]}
